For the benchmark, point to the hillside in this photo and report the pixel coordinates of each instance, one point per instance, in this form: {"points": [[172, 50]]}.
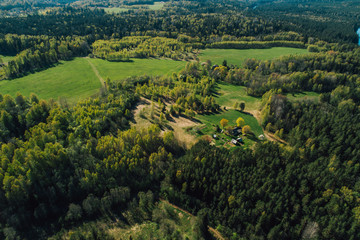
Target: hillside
{"points": [[132, 119]]}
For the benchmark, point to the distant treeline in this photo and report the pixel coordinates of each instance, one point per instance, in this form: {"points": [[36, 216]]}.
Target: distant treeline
{"points": [[36, 53], [320, 72], [141, 47], [256, 44]]}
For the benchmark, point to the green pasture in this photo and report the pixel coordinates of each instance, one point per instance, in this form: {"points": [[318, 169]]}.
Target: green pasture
{"points": [[72, 80], [238, 56], [228, 94], [152, 67], [76, 79]]}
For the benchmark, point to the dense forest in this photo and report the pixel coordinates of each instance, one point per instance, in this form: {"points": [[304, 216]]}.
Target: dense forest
{"points": [[66, 169]]}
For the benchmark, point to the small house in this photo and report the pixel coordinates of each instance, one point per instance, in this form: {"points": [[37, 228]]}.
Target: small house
{"points": [[215, 136], [233, 141], [261, 137], [236, 131], [240, 140]]}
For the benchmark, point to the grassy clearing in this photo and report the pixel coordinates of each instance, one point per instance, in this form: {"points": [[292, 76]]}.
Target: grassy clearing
{"points": [[155, 6], [76, 79], [73, 80], [6, 58], [238, 56], [142, 120], [178, 221], [165, 221], [121, 70], [116, 10], [208, 122], [313, 96], [229, 94]]}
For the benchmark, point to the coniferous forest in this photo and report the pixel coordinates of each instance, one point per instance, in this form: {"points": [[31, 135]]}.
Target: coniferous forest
{"points": [[90, 170]]}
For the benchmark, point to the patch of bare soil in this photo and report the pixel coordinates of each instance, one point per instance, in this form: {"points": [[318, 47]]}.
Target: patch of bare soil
{"points": [[179, 124], [176, 124]]}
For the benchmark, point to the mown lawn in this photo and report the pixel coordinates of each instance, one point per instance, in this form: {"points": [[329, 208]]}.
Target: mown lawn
{"points": [[238, 56]]}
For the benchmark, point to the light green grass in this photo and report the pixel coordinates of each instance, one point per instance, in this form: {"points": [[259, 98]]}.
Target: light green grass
{"points": [[76, 80], [238, 56], [73, 80], [116, 10], [229, 94], [6, 58], [156, 6], [313, 96], [232, 115], [151, 67]]}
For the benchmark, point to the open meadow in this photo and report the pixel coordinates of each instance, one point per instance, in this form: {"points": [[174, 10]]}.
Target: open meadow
{"points": [[77, 79], [229, 94], [155, 6], [72, 80], [238, 56], [137, 67]]}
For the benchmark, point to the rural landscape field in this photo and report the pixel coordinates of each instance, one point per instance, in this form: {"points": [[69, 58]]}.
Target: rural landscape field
{"points": [[179, 119]]}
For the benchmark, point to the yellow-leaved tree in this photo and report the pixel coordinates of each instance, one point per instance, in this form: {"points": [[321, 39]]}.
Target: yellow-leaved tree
{"points": [[246, 129], [224, 122], [240, 122]]}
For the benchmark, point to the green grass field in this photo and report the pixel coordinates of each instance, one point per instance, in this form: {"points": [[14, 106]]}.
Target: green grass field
{"points": [[116, 10], [6, 58], [231, 115], [230, 94], [121, 70], [73, 80], [155, 6], [238, 56], [76, 80]]}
